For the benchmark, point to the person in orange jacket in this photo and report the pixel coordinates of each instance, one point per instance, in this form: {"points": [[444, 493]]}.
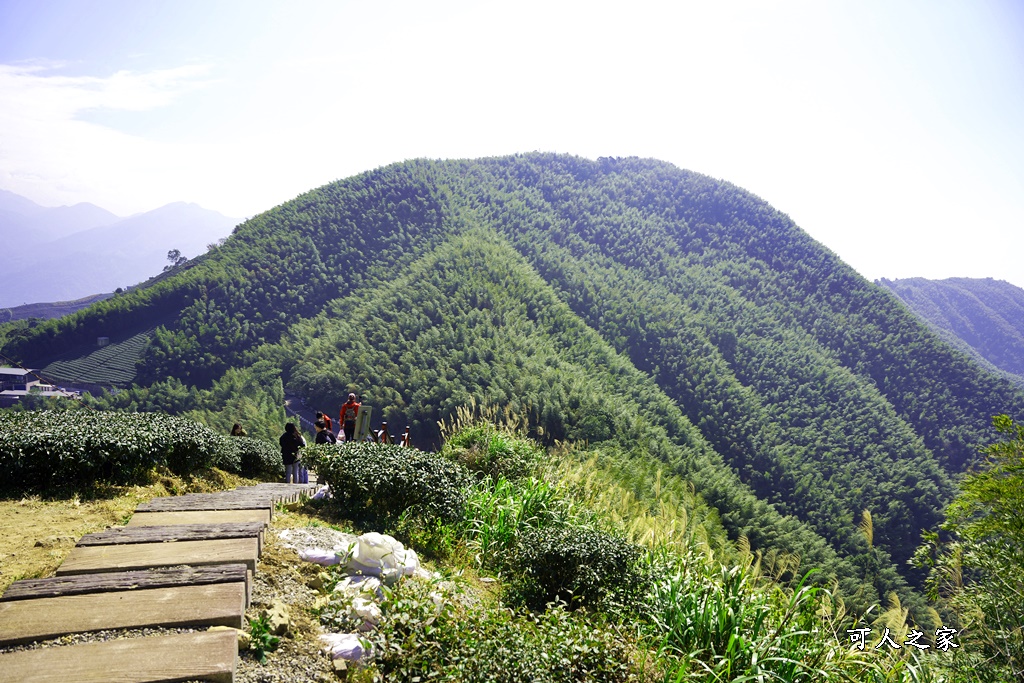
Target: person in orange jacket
{"points": [[348, 415]]}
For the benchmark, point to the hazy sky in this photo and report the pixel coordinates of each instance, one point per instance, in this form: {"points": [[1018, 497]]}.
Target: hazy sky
{"points": [[892, 131]]}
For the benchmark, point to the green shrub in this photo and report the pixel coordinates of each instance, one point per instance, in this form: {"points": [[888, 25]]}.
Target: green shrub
{"points": [[64, 450], [499, 511], [488, 451], [384, 481], [576, 565], [250, 457], [432, 631]]}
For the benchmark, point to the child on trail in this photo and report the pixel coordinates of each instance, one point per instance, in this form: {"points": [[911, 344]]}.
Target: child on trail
{"points": [[327, 421]]}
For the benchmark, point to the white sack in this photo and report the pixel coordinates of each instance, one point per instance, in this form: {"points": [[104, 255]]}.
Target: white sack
{"points": [[375, 554], [324, 558], [347, 646]]}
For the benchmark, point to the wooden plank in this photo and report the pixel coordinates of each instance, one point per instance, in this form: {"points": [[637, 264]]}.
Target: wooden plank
{"points": [[182, 503], [283, 492], [24, 621], [81, 584], [112, 558], [248, 497], [198, 517], [175, 533], [160, 659]]}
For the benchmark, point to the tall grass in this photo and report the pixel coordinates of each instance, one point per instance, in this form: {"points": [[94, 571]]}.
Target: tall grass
{"points": [[712, 610], [652, 508], [499, 512]]}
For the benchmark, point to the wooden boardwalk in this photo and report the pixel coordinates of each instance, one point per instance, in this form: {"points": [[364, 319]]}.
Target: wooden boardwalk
{"points": [[187, 562]]}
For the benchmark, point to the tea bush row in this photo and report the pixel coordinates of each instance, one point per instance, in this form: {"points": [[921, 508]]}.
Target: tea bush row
{"points": [[384, 481], [250, 457], [51, 450]]}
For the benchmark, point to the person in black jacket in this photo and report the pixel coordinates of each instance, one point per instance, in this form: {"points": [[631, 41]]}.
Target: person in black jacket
{"points": [[291, 441], [323, 434]]}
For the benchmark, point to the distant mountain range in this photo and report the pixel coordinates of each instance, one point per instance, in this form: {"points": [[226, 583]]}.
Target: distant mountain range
{"points": [[46, 311], [983, 317], [66, 253]]}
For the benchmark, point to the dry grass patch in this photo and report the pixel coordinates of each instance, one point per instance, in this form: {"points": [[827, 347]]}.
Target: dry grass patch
{"points": [[36, 534]]}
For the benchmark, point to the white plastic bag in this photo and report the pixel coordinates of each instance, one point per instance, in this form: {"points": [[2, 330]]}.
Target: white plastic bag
{"points": [[368, 610], [375, 554], [324, 558], [360, 586], [347, 646]]}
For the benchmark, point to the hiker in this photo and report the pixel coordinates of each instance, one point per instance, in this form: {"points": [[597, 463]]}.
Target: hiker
{"points": [[323, 434], [291, 441], [348, 415], [238, 431], [327, 421]]}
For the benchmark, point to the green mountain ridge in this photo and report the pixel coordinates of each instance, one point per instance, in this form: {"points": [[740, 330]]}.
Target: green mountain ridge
{"points": [[541, 361], [984, 317], [619, 301]]}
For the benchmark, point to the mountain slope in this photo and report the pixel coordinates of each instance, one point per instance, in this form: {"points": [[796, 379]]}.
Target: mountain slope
{"points": [[473, 322], [25, 227], [803, 384], [46, 311], [986, 315]]}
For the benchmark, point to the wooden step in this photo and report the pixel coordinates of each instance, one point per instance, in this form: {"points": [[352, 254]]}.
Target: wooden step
{"points": [[281, 493], [158, 659], [179, 503], [113, 558], [175, 533], [24, 621], [262, 496], [81, 584], [199, 517]]}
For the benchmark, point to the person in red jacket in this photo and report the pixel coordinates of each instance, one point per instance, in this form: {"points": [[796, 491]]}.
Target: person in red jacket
{"points": [[348, 415]]}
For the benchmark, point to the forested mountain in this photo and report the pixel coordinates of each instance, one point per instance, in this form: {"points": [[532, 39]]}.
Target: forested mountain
{"points": [[621, 301], [985, 316]]}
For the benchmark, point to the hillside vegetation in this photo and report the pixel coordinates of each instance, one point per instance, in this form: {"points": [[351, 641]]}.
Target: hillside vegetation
{"points": [[566, 563], [984, 316], [656, 314]]}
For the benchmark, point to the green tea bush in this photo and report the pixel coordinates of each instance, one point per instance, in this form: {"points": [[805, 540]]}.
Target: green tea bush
{"points": [[433, 631], [488, 451], [385, 481], [576, 565], [62, 450], [250, 457]]}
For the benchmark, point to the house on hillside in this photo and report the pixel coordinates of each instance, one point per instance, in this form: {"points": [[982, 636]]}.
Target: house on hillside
{"points": [[17, 379], [16, 384]]}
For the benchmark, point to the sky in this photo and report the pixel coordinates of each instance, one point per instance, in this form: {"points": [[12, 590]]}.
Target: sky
{"points": [[892, 131]]}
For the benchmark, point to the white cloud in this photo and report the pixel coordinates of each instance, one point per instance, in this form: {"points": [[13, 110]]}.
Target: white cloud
{"points": [[48, 153]]}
